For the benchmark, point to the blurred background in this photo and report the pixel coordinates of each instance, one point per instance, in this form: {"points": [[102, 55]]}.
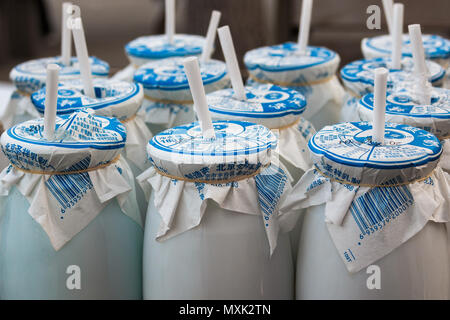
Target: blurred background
{"points": [[31, 28]]}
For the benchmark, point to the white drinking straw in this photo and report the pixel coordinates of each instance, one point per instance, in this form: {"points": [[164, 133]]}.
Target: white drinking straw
{"points": [[388, 8], [418, 53], [66, 40], [379, 105], [420, 67], [397, 36], [305, 22], [232, 63], [210, 36], [83, 57], [51, 95], [194, 77], [170, 20]]}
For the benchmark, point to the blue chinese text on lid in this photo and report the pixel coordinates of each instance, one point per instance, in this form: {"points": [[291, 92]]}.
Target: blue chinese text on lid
{"points": [[345, 152], [284, 57], [109, 94], [31, 75], [362, 71], [80, 139], [157, 46], [238, 149], [435, 46], [402, 107], [169, 74], [264, 102]]}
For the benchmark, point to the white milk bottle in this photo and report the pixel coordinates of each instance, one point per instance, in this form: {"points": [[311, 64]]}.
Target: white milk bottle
{"points": [[313, 74], [403, 107], [358, 79], [375, 223], [69, 221], [29, 77], [279, 109], [168, 101], [117, 99], [212, 229]]}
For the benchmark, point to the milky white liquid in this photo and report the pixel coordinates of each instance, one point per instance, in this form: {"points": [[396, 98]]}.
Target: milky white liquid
{"points": [[418, 269], [108, 252], [226, 257]]}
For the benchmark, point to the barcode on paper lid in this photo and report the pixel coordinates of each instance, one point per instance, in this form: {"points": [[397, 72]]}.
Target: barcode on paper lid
{"points": [[377, 207]]}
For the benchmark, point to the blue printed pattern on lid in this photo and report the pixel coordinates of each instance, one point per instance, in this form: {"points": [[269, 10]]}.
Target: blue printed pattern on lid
{"points": [[403, 107], [71, 95], [157, 46], [169, 74], [285, 57], [350, 144], [232, 138], [31, 75], [239, 149], [402, 103], [78, 130], [79, 137], [363, 71], [264, 101], [435, 46]]}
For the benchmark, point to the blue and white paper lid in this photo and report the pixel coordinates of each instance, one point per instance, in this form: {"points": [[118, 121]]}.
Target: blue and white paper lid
{"points": [[30, 76], [157, 47], [165, 80], [284, 64], [269, 105], [118, 99], [346, 152], [402, 107], [358, 75], [285, 57], [436, 47], [82, 140], [240, 148], [169, 74]]}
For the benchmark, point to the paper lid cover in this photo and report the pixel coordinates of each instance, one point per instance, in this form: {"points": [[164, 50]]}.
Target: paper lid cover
{"points": [[82, 140], [359, 75], [285, 57], [402, 107], [157, 46], [346, 152], [284, 65], [118, 99], [31, 75], [168, 74], [436, 47], [240, 148], [269, 105]]}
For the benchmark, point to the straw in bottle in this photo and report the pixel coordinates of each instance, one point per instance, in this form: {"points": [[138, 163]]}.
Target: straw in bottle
{"points": [[232, 64], [397, 36], [83, 57], [194, 77], [379, 103], [51, 95], [210, 36], [305, 22]]}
